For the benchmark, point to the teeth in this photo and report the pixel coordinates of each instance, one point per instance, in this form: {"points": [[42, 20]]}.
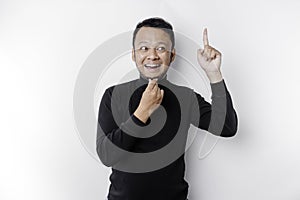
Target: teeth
{"points": [[152, 65]]}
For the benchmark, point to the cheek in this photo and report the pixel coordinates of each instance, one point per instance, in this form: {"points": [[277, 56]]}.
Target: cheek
{"points": [[166, 58], [140, 58]]}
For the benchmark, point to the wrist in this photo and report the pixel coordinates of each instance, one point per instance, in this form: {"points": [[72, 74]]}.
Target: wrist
{"points": [[214, 77], [141, 115]]}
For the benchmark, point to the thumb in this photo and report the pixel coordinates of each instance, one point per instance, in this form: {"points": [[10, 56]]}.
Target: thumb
{"points": [[201, 51], [162, 95]]}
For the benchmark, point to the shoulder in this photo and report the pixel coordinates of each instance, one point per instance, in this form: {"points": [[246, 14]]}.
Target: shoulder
{"points": [[183, 90], [121, 85], [119, 88]]}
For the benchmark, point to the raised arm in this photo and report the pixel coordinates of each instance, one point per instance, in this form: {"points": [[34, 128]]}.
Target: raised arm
{"points": [[219, 118]]}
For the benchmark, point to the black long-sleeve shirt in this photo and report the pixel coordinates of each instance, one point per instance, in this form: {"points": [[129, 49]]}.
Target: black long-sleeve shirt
{"points": [[160, 175]]}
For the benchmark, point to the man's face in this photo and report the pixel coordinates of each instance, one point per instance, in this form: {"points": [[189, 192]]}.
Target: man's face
{"points": [[152, 52]]}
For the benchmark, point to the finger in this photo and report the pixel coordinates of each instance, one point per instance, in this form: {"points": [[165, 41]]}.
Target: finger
{"points": [[212, 54], [218, 53], [155, 86], [201, 51], [205, 37], [161, 96], [156, 89], [207, 52], [151, 84], [158, 95], [153, 80]]}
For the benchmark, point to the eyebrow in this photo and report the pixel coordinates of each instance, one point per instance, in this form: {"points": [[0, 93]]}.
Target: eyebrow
{"points": [[145, 42]]}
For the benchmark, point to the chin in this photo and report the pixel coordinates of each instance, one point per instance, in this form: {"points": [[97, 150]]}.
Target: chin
{"points": [[159, 77]]}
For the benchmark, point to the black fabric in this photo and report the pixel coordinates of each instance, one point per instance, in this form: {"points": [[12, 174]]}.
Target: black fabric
{"points": [[183, 107]]}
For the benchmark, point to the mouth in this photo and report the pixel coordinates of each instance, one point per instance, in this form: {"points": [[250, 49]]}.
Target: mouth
{"points": [[152, 66]]}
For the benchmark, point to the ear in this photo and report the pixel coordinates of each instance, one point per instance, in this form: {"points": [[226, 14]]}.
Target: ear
{"points": [[133, 55], [173, 54]]}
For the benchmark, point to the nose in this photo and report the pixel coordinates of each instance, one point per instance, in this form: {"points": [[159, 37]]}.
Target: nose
{"points": [[152, 54]]}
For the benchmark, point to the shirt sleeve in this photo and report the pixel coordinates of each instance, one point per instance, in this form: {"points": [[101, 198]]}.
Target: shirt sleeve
{"points": [[114, 141], [219, 117]]}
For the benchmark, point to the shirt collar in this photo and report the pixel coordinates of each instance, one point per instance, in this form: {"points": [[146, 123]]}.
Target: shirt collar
{"points": [[142, 81]]}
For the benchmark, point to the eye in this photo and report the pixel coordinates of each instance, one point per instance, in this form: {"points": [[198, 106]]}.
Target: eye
{"points": [[143, 48], [161, 49]]}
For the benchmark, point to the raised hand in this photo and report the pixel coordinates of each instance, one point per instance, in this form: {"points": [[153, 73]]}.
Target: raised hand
{"points": [[150, 101], [210, 60]]}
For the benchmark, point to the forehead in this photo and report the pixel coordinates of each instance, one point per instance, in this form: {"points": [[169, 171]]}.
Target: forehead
{"points": [[150, 34]]}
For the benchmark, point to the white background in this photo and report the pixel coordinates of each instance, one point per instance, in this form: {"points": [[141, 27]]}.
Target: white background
{"points": [[43, 45]]}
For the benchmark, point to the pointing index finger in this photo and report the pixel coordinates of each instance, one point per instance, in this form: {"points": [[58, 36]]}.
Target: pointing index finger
{"points": [[205, 37]]}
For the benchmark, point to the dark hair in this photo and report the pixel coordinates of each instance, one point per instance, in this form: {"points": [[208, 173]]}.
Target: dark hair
{"points": [[155, 22]]}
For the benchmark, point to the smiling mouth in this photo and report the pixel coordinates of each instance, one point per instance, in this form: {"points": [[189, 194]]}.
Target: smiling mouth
{"points": [[152, 66]]}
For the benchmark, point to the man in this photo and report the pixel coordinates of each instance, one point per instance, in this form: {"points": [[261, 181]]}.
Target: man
{"points": [[143, 124]]}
